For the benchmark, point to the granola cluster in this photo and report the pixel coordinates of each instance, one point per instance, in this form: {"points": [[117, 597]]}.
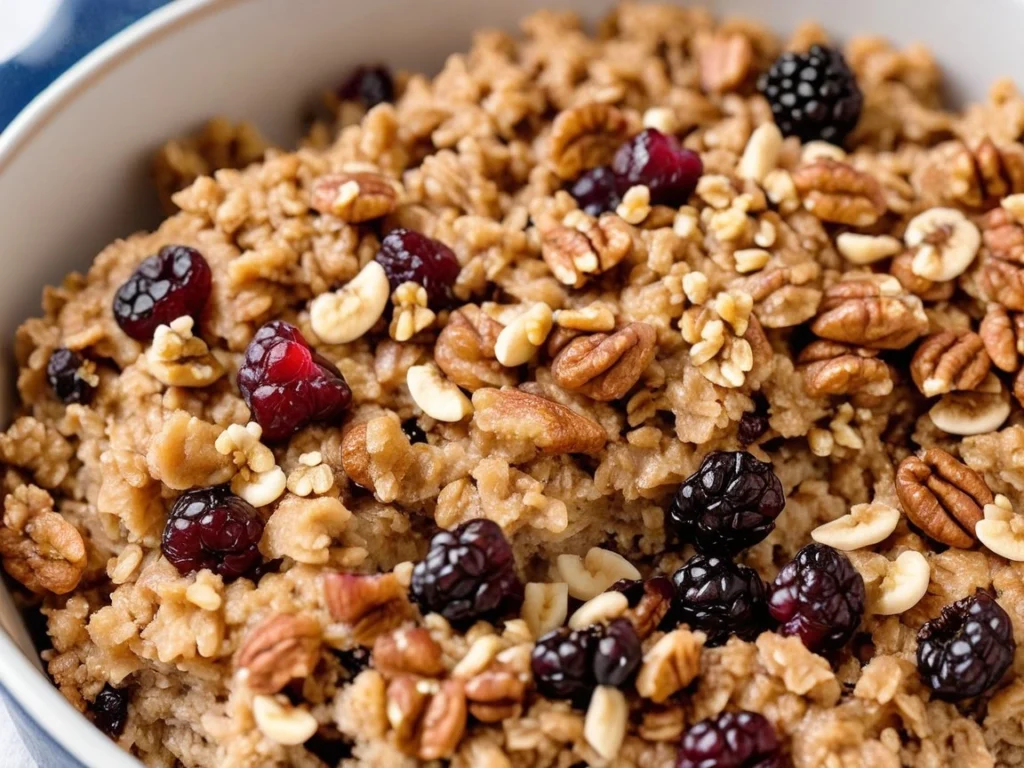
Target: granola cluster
{"points": [[852, 316]]}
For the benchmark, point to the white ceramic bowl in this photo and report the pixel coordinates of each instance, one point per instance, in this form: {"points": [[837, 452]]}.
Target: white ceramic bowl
{"points": [[73, 164]]}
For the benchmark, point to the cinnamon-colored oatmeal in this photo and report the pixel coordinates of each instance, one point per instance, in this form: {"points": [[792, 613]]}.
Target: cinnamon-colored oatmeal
{"points": [[854, 314]]}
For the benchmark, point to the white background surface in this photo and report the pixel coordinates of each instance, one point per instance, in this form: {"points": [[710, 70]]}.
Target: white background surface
{"points": [[12, 751]]}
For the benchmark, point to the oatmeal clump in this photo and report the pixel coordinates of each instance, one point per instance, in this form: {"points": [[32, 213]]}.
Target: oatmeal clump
{"points": [[581, 405]]}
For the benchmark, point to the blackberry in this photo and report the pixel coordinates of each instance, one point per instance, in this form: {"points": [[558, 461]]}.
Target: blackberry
{"points": [[819, 597], [596, 191], [720, 598], [110, 710], [618, 654], [563, 664], [813, 95], [469, 573], [965, 651], [174, 282], [658, 162], [727, 505], [411, 256], [63, 372], [731, 740], [370, 85]]}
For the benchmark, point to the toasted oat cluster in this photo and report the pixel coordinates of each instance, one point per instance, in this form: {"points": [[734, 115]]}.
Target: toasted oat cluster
{"points": [[650, 398]]}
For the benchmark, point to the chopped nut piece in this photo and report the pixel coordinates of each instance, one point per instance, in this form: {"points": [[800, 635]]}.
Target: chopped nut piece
{"points": [[40, 549], [635, 205], [605, 367], [594, 317], [551, 427], [373, 605], [670, 665], [465, 350], [599, 609], [785, 296], [435, 395], [867, 249], [866, 524], [519, 341], [354, 197], [545, 606], [751, 259], [429, 718], [981, 410], [407, 651], [585, 137], [949, 360], [821, 150], [311, 476], [606, 721], [179, 359], [837, 192], [1002, 531], [942, 496], [283, 647], [895, 587], [282, 723], [870, 311], [495, 695], [411, 314], [479, 656], [344, 315], [1003, 337], [590, 576], [259, 480], [946, 243], [589, 247], [723, 60], [1003, 235], [761, 155], [837, 369]]}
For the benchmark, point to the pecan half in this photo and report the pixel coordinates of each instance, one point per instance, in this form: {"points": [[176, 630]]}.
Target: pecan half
{"points": [[378, 456], [40, 549], [605, 367], [372, 604], [1002, 282], [429, 719], [976, 177], [902, 268], [354, 197], [839, 369], [590, 247], [585, 137], [1003, 336], [495, 695], [785, 296], [870, 311], [942, 496], [949, 360], [837, 192], [407, 651], [550, 426], [282, 648], [465, 350], [1003, 236]]}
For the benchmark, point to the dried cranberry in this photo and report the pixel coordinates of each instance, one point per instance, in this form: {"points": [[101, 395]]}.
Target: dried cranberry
{"points": [[819, 597], [658, 162], [596, 191], [287, 385], [563, 664], [731, 740], [469, 573], [370, 85], [110, 710], [63, 371], [720, 598], [411, 256], [617, 654], [171, 284], [967, 649], [212, 528]]}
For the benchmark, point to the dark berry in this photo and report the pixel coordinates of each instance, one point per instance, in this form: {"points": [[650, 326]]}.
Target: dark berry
{"points": [[212, 528], [110, 710], [469, 573], [618, 654], [563, 664], [720, 598], [966, 650], [731, 740], [753, 424], [658, 162], [354, 660], [370, 85], [596, 191], [413, 431], [171, 284], [727, 505], [633, 589], [330, 751], [819, 597], [63, 371], [813, 95], [286, 384], [407, 255]]}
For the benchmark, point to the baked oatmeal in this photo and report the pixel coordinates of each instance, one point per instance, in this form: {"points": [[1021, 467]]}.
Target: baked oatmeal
{"points": [[649, 398]]}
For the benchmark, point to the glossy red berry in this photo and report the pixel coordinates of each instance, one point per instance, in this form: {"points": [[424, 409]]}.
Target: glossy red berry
{"points": [[172, 283], [63, 372], [212, 528], [731, 740], [410, 256], [287, 385], [658, 162]]}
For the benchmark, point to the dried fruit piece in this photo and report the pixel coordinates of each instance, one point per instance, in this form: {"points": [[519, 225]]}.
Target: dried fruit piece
{"points": [[371, 85], [596, 191], [720, 599], [69, 377], [174, 282], [109, 710], [562, 664], [411, 256], [656, 161], [731, 740]]}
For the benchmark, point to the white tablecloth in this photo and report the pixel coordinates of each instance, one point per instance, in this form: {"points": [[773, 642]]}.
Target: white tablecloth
{"points": [[14, 754]]}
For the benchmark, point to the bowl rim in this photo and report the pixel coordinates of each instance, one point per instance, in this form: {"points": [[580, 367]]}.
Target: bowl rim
{"points": [[30, 690]]}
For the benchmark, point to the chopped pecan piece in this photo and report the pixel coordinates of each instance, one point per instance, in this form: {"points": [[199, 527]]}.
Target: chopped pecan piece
{"points": [[354, 197], [975, 177], [724, 60], [942, 496], [604, 366], [494, 695], [839, 369], [407, 651], [552, 427], [902, 268], [40, 549], [950, 360], [1002, 282], [429, 718], [1003, 236], [670, 665], [378, 456], [282, 648], [372, 604], [870, 311], [837, 192], [590, 247], [465, 350], [785, 296], [585, 137]]}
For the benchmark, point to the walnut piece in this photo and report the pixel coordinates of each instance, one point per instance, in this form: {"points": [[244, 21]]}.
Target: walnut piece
{"points": [[40, 549], [378, 456], [312, 476], [259, 480], [785, 296], [179, 359], [949, 360], [830, 368], [724, 60], [605, 367], [354, 197], [465, 350], [411, 313], [975, 177], [428, 718], [670, 665], [584, 246], [942, 496], [837, 192], [495, 694], [870, 310], [585, 137], [407, 651], [551, 427], [282, 648], [372, 604]]}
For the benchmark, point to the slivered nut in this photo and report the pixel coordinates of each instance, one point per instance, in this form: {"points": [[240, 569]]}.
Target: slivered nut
{"points": [[604, 727], [282, 648], [602, 608], [981, 410], [761, 155], [282, 723], [545, 606], [1002, 531], [344, 315], [519, 341], [942, 496], [596, 317], [901, 587], [866, 524], [435, 395], [670, 665], [590, 576], [867, 249], [750, 259], [354, 197], [946, 242], [949, 360]]}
